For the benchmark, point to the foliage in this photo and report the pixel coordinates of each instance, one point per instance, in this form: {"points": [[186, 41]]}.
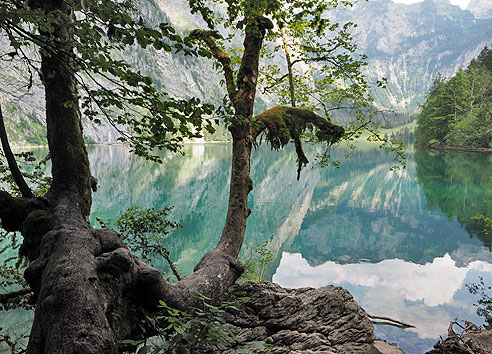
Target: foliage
{"points": [[34, 173], [14, 343], [12, 273], [256, 266], [203, 329], [144, 231], [486, 222], [484, 303], [321, 72], [458, 111], [100, 31], [12, 269]]}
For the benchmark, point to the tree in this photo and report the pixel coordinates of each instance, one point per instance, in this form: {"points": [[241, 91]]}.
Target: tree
{"points": [[435, 117], [457, 111], [90, 292]]}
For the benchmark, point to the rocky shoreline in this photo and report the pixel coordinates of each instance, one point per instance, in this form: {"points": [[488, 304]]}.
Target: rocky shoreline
{"points": [[323, 320], [302, 321]]}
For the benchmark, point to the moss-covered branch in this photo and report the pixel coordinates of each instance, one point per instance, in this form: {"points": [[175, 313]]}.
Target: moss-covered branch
{"points": [[209, 37], [281, 124]]}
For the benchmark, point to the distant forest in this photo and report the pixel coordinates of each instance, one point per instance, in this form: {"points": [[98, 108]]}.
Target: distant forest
{"points": [[458, 111]]}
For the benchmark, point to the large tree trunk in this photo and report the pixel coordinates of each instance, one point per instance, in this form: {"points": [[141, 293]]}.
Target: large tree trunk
{"points": [[242, 137], [70, 313]]}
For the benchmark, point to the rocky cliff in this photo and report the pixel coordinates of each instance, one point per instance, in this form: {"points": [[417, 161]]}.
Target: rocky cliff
{"points": [[411, 44], [480, 8]]}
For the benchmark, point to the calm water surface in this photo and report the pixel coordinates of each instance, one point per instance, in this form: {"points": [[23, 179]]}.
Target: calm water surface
{"points": [[402, 242]]}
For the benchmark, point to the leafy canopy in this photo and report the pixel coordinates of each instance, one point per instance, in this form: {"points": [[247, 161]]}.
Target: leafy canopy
{"points": [[307, 61]]}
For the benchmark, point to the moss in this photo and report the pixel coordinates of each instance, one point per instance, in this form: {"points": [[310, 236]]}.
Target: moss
{"points": [[281, 124], [277, 132], [284, 123]]}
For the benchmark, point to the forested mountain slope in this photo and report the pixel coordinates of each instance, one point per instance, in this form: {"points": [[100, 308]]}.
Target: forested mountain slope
{"points": [[458, 111]]}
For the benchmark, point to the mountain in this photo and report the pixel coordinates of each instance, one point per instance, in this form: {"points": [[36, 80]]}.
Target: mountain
{"points": [[407, 44], [411, 44]]}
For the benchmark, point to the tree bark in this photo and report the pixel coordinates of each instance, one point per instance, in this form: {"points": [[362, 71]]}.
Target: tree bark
{"points": [[242, 138], [70, 163], [289, 68]]}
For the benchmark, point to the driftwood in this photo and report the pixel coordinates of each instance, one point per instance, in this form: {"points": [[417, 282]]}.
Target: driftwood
{"points": [[391, 322], [471, 340]]}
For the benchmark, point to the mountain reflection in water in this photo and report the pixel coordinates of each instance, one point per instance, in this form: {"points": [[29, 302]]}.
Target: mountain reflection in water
{"points": [[402, 242]]}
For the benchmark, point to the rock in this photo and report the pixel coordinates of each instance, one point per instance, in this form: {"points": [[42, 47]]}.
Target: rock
{"points": [[387, 348], [295, 321]]}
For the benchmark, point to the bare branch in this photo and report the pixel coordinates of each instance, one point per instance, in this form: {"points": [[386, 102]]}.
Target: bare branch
{"points": [[14, 168], [406, 325], [14, 295]]}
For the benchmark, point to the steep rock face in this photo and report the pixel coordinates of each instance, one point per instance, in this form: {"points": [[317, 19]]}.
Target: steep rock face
{"points": [[295, 321], [411, 44]]}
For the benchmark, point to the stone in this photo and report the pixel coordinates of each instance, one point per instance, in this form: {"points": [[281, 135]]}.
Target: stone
{"points": [[294, 321]]}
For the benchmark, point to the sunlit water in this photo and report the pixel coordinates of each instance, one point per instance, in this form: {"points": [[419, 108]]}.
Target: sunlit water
{"points": [[402, 242]]}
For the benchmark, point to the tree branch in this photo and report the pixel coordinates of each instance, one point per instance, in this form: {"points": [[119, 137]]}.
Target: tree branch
{"points": [[276, 82], [208, 37], [284, 123], [14, 168], [14, 211], [400, 323], [212, 276], [9, 297]]}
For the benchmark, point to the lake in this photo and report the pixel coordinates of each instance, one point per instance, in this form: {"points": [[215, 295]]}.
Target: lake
{"points": [[403, 242]]}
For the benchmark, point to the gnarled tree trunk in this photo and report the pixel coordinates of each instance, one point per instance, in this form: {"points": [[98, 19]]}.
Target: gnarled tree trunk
{"points": [[242, 138], [90, 292]]}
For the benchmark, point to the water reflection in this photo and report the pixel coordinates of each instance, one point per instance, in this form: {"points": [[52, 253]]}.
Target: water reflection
{"points": [[456, 184], [402, 242], [428, 296]]}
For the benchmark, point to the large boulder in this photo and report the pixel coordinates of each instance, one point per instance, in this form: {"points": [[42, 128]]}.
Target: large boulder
{"points": [[307, 320]]}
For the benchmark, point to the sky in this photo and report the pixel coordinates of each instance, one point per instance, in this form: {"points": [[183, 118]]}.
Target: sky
{"points": [[427, 295], [461, 3]]}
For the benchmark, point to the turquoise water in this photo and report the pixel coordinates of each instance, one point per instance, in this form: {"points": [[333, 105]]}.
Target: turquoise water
{"points": [[402, 242]]}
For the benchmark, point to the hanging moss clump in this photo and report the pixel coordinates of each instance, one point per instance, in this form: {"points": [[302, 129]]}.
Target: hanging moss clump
{"points": [[280, 124]]}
